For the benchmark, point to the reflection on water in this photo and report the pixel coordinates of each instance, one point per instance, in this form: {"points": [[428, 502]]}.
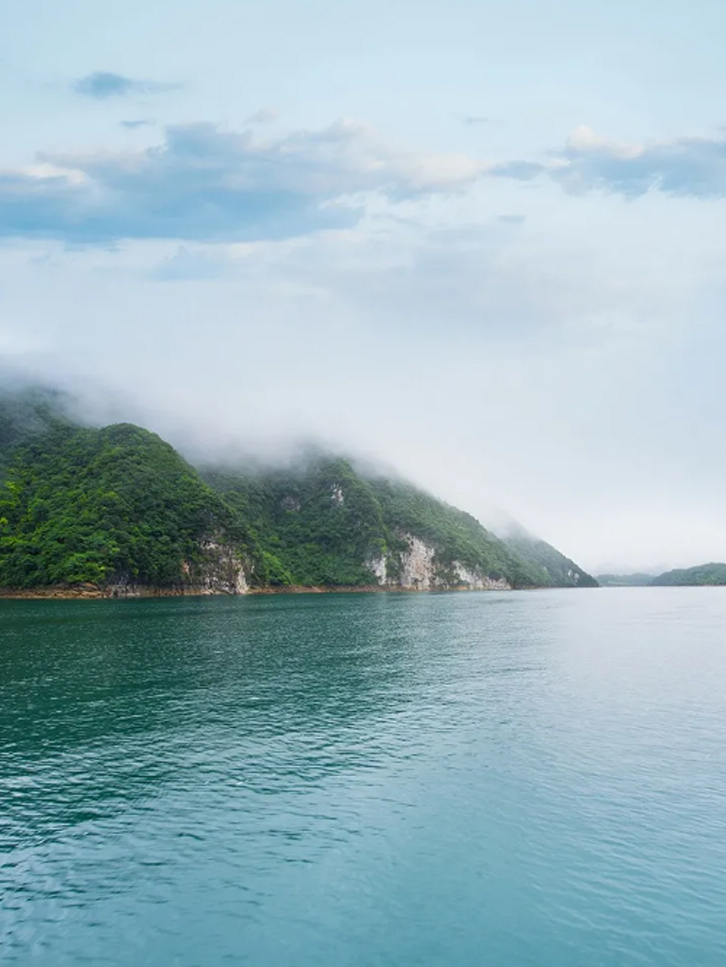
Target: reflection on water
{"points": [[364, 779]]}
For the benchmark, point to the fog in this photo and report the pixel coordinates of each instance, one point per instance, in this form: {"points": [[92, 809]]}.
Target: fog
{"points": [[589, 441], [506, 290]]}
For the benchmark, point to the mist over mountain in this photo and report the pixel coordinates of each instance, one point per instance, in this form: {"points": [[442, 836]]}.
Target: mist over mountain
{"points": [[514, 307], [195, 430], [118, 510]]}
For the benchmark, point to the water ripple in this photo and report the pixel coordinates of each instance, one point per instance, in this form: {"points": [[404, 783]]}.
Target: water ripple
{"points": [[509, 779]]}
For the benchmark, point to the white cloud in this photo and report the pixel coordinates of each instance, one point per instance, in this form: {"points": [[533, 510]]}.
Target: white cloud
{"points": [[204, 183], [556, 366], [679, 167]]}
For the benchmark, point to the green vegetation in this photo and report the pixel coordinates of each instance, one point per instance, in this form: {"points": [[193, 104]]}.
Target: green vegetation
{"points": [[119, 505], [318, 527], [637, 580], [704, 574], [458, 537], [82, 505], [25, 414], [327, 525], [552, 568]]}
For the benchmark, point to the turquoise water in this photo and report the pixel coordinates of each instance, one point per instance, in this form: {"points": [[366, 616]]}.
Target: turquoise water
{"points": [[366, 780]]}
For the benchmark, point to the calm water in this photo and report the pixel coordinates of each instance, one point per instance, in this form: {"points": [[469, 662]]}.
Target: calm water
{"points": [[370, 780]]}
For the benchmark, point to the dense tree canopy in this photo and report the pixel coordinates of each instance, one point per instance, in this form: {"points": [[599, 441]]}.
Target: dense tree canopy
{"points": [[80, 505], [326, 523], [84, 505]]}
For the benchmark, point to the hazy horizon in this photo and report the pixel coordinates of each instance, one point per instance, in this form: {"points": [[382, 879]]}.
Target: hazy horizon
{"points": [[92, 405], [478, 243]]}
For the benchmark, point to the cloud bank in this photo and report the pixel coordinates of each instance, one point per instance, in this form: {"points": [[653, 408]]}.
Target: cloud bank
{"points": [[207, 184], [496, 338], [682, 167], [203, 183]]}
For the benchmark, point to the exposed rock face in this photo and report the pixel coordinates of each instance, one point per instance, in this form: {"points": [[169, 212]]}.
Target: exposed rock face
{"points": [[379, 568], [220, 571], [419, 571], [477, 581]]}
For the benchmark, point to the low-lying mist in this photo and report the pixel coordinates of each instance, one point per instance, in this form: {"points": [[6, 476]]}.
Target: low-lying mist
{"points": [[416, 419]]}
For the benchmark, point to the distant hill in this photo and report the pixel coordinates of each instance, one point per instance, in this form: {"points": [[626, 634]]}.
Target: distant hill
{"points": [[704, 574], [625, 580], [117, 510]]}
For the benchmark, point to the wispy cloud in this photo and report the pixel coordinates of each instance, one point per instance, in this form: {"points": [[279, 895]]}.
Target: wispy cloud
{"points": [[686, 166], [203, 183], [137, 123], [102, 85], [265, 115]]}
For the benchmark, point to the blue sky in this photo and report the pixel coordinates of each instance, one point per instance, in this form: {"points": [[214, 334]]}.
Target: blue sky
{"points": [[481, 242]]}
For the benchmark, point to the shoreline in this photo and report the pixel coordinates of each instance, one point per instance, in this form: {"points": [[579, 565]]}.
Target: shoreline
{"points": [[89, 593]]}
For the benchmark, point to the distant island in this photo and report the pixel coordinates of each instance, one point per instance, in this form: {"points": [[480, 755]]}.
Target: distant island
{"points": [[116, 511], [704, 574]]}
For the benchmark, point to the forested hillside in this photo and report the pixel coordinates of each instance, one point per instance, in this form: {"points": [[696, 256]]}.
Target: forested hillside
{"points": [[712, 574], [326, 524], [84, 505], [118, 507], [636, 580]]}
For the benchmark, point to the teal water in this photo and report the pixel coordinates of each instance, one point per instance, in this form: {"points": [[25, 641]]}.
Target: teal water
{"points": [[365, 780]]}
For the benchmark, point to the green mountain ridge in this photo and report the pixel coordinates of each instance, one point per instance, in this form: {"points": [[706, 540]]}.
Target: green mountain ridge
{"points": [[117, 508], [703, 574], [713, 574], [637, 579]]}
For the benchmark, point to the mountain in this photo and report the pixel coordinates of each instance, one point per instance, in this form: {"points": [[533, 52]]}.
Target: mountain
{"points": [[636, 580], [551, 566], [704, 574], [327, 524], [713, 574], [117, 510], [26, 413]]}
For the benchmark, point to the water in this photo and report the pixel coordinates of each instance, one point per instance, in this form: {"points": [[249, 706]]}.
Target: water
{"points": [[365, 780]]}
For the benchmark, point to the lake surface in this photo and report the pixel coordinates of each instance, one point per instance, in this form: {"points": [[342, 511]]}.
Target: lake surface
{"points": [[351, 780]]}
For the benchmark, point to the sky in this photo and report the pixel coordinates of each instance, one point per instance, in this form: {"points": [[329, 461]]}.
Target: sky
{"points": [[479, 242]]}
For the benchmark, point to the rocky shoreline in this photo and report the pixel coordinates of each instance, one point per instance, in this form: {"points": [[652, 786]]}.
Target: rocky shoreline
{"points": [[95, 593]]}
